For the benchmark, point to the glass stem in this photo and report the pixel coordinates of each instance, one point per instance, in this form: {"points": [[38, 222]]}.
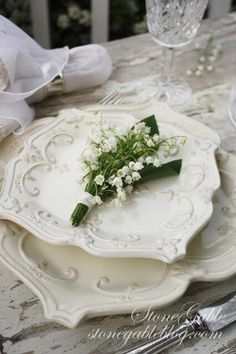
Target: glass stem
{"points": [[168, 55]]}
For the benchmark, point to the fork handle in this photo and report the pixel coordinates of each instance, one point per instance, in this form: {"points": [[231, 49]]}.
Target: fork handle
{"points": [[186, 330]]}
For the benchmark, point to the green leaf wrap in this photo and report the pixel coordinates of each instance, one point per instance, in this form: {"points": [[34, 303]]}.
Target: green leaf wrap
{"points": [[150, 172], [152, 124]]}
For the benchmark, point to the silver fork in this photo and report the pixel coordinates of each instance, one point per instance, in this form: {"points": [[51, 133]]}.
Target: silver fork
{"points": [[232, 106], [112, 98]]}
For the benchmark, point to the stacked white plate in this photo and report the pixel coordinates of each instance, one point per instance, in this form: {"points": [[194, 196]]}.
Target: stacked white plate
{"points": [[169, 233]]}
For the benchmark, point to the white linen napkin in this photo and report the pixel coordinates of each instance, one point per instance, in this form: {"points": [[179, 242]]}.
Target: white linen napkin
{"points": [[13, 117], [30, 69], [29, 66], [88, 66]]}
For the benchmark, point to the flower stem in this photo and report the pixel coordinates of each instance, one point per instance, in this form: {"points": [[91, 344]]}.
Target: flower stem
{"points": [[79, 214], [81, 209]]}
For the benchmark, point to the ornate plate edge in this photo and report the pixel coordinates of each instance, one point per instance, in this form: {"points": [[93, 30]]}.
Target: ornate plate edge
{"points": [[35, 229]]}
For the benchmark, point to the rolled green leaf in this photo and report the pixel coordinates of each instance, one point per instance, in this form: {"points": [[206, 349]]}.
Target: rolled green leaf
{"points": [[152, 124], [150, 172], [79, 214]]}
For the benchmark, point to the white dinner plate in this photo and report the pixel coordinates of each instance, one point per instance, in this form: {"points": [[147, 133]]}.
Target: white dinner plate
{"points": [[42, 187]]}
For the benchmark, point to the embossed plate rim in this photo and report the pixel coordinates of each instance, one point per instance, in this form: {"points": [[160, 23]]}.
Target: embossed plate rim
{"points": [[179, 275], [163, 253]]}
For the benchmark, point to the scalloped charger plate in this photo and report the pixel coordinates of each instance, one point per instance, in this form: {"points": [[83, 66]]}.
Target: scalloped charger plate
{"points": [[42, 186]]}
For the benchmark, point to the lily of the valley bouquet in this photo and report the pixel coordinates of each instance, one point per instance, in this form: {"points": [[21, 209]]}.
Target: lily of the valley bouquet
{"points": [[114, 162]]}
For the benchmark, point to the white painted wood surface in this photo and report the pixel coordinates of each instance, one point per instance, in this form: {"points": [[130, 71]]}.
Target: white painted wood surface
{"points": [[23, 328], [100, 21], [40, 22], [219, 8]]}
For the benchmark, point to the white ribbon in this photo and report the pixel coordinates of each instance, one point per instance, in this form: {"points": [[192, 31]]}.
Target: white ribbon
{"points": [[26, 69], [86, 199], [29, 66], [88, 66]]}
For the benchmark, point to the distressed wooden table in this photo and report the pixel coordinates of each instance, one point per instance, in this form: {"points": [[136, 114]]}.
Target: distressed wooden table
{"points": [[23, 328]]}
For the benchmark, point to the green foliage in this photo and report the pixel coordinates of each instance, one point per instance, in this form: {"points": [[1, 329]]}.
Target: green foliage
{"points": [[150, 172], [126, 18], [70, 22], [152, 124], [17, 11]]}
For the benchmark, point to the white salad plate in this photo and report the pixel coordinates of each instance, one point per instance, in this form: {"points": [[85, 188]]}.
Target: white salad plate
{"points": [[73, 284], [43, 185]]}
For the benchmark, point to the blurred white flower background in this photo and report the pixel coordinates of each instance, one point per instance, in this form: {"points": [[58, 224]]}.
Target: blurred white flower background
{"points": [[70, 21]]}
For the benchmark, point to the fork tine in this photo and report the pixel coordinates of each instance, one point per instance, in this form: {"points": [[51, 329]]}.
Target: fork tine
{"points": [[117, 100], [231, 116], [111, 98], [114, 100], [107, 97]]}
